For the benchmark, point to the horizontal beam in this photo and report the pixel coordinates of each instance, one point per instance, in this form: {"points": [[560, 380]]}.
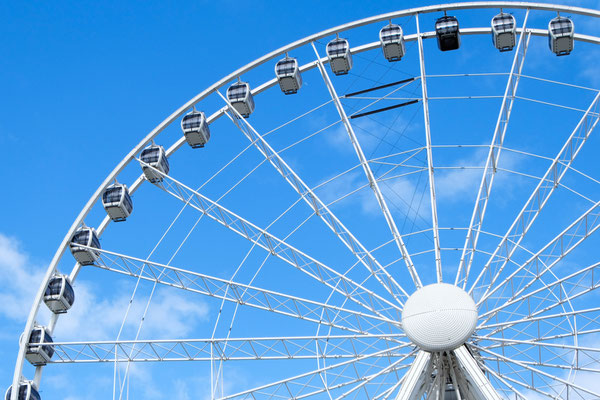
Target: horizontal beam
{"points": [[227, 349]]}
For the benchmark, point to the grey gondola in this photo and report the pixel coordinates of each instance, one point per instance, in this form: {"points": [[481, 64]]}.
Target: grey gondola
{"points": [[392, 42], [154, 163], [240, 97], [448, 33], [37, 352], [561, 31], [288, 75], [117, 202], [59, 295], [27, 391], [340, 57], [450, 392], [195, 129], [504, 31], [87, 237]]}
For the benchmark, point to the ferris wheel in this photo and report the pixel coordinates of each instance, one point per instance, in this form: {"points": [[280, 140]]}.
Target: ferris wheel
{"points": [[400, 207]]}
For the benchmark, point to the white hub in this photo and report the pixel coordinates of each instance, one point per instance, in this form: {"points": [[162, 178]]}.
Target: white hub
{"points": [[439, 317]]}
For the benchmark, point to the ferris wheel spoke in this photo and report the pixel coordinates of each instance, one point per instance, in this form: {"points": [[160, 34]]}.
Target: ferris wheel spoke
{"points": [[227, 349], [505, 382], [369, 173], [553, 328], [540, 374], [555, 293], [430, 171], [491, 163], [545, 259], [508, 379], [542, 351], [369, 380], [239, 293], [530, 319], [541, 194], [318, 206], [312, 383], [279, 248]]}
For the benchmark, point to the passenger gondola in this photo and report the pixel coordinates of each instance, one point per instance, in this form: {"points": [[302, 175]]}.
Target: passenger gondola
{"points": [[154, 163], [392, 42], [37, 352], [240, 97], [117, 202], [448, 33], [561, 32], [27, 391], [340, 57], [450, 392], [85, 236], [59, 295], [195, 129], [504, 31], [288, 75]]}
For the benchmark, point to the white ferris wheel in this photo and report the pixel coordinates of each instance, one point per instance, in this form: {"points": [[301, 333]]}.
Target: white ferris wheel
{"points": [[400, 207]]}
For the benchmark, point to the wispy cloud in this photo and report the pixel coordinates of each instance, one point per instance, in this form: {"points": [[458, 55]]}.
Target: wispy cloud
{"points": [[172, 314]]}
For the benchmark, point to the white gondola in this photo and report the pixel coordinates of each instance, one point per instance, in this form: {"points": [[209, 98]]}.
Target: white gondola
{"points": [[340, 57], [117, 202], [392, 42], [504, 31], [37, 352], [154, 163], [87, 237], [288, 75], [27, 391], [448, 33], [240, 97], [59, 295], [195, 129], [561, 31]]}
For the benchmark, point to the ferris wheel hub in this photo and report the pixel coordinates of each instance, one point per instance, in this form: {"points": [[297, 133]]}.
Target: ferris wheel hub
{"points": [[439, 317]]}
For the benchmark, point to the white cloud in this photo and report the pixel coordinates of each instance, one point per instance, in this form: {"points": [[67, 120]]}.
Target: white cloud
{"points": [[96, 315], [171, 315], [19, 279]]}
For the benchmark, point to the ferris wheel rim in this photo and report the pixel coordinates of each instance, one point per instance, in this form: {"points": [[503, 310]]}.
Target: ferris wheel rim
{"points": [[222, 82]]}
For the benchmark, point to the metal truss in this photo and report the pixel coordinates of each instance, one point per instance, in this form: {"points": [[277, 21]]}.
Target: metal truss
{"points": [[230, 349], [430, 373], [491, 163], [536, 377], [549, 296], [542, 262], [279, 248], [430, 172], [540, 196], [247, 295], [331, 378], [376, 375], [369, 173], [317, 205]]}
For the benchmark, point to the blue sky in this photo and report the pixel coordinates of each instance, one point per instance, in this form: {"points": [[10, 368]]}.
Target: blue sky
{"points": [[83, 82]]}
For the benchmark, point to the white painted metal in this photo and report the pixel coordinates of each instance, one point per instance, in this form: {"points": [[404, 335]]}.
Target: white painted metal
{"points": [[430, 174], [252, 296], [320, 208], [277, 247], [439, 317], [52, 267], [416, 378], [369, 173], [491, 162], [480, 384], [540, 195], [260, 348]]}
